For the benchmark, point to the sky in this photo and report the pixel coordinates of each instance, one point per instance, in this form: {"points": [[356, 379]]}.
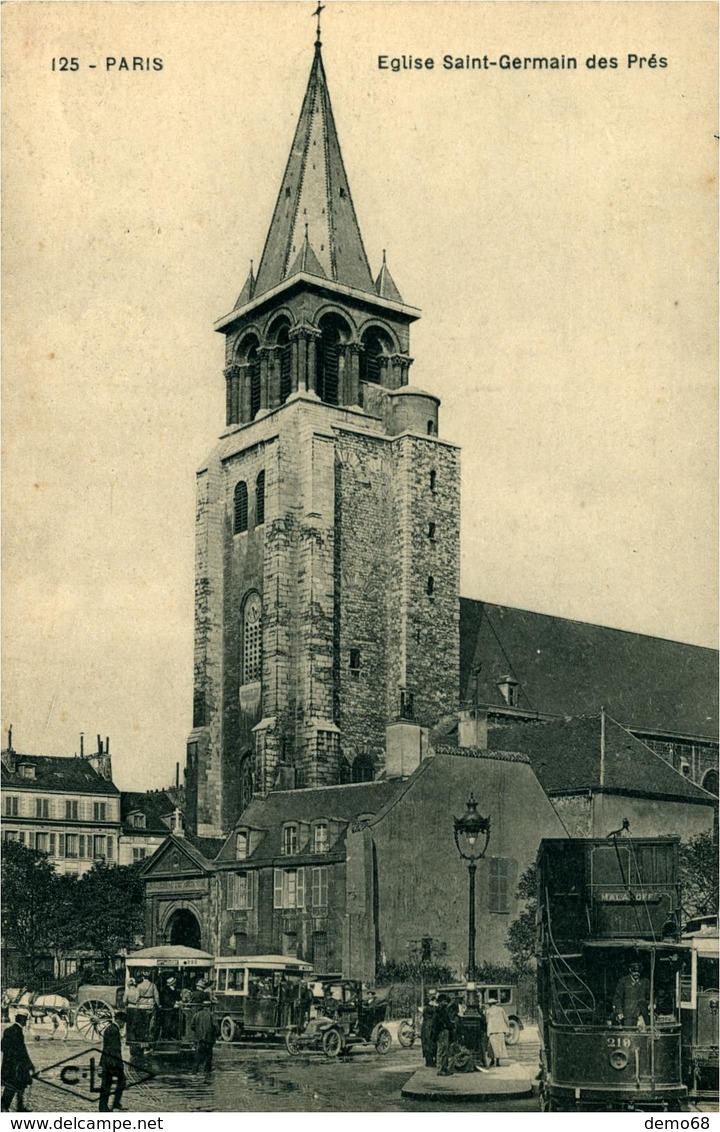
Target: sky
{"points": [[556, 228]]}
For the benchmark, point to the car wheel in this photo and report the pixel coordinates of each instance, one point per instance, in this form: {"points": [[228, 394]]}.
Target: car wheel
{"points": [[292, 1042], [513, 1037], [332, 1042], [406, 1034], [227, 1029]]}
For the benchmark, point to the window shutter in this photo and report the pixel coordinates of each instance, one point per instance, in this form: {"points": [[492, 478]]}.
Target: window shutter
{"points": [[110, 850], [61, 844], [52, 845], [278, 888], [81, 849], [250, 902], [300, 903]]}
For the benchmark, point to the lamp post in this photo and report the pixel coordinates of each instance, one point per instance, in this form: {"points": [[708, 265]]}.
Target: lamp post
{"points": [[472, 834]]}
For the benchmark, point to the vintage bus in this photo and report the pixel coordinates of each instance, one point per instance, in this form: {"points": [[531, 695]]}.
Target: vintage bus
{"points": [[257, 995]]}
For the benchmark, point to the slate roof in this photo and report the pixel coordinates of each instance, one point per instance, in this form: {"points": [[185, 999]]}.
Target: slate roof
{"points": [[566, 667], [58, 773], [153, 803], [336, 803], [566, 757], [315, 199]]}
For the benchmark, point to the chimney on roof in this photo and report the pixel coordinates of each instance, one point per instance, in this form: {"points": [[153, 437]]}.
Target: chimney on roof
{"points": [[100, 761], [473, 728], [82, 744], [177, 824], [10, 746]]}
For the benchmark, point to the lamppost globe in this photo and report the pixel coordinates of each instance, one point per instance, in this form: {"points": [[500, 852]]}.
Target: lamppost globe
{"points": [[472, 835]]}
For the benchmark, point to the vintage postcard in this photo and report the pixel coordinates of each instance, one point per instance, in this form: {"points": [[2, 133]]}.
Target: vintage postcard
{"points": [[360, 746]]}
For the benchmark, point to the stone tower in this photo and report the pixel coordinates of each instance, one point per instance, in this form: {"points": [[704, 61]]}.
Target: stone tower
{"points": [[327, 537]]}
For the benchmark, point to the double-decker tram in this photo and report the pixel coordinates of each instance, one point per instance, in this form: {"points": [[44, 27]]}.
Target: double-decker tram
{"points": [[612, 974]]}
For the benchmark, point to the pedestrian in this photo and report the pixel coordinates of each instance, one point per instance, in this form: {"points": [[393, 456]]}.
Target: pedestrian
{"points": [[17, 1068], [427, 1029], [147, 1006], [632, 999], [169, 997], [498, 1028], [445, 1027], [203, 1027], [111, 1064]]}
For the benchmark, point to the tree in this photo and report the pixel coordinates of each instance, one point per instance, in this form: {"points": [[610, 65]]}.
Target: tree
{"points": [[520, 939], [28, 888], [110, 908], [699, 875]]}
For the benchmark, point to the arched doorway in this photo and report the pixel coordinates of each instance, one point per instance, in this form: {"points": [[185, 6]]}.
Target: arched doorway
{"points": [[183, 929], [710, 782]]}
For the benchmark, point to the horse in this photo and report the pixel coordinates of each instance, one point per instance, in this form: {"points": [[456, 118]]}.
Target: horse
{"points": [[38, 1007]]}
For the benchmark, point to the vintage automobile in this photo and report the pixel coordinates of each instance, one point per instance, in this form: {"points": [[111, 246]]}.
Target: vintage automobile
{"points": [[489, 994], [341, 1016], [257, 994]]}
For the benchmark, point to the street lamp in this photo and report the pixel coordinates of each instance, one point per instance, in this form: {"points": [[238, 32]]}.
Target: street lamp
{"points": [[472, 834]]}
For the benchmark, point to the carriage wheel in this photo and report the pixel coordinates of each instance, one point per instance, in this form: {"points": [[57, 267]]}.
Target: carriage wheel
{"points": [[91, 1015], [513, 1037], [227, 1029], [292, 1042], [406, 1034], [332, 1042], [383, 1041]]}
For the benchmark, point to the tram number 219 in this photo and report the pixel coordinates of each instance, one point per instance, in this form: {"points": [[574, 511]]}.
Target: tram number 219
{"points": [[618, 1043]]}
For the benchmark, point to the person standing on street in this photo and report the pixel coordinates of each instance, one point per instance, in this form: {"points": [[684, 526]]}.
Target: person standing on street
{"points": [[445, 1027], [427, 1029], [111, 1064], [17, 1068], [498, 1028], [203, 1027]]}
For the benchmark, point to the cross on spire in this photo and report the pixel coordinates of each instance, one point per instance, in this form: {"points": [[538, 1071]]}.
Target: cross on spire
{"points": [[320, 8]]}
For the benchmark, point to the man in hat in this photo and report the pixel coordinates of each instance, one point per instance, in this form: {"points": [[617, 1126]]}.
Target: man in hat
{"points": [[632, 998], [427, 1029], [17, 1068], [203, 1027], [169, 996], [445, 1027], [111, 1064]]}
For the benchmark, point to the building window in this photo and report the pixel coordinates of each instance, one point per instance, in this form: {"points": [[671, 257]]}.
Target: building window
{"points": [[354, 664], [710, 782], [81, 846], [110, 851], [99, 811], [260, 499], [137, 821], [98, 848], [254, 374], [11, 806], [289, 888], [321, 842], [289, 840], [27, 770], [199, 707], [71, 810], [139, 854], [241, 846], [42, 842], [431, 531], [685, 768], [240, 891], [431, 428], [430, 586], [241, 508], [327, 360], [362, 769], [319, 888], [51, 847], [509, 690], [498, 895], [252, 639], [245, 781], [72, 845], [319, 952], [42, 807], [433, 480]]}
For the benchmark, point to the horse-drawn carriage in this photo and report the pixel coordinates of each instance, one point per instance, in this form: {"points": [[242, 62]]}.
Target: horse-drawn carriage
{"points": [[40, 1007]]}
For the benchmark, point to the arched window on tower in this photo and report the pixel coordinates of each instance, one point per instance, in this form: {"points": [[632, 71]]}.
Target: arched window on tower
{"points": [[362, 768], [283, 342], [254, 375], [333, 332], [240, 518], [252, 639], [260, 499], [375, 346], [245, 781]]}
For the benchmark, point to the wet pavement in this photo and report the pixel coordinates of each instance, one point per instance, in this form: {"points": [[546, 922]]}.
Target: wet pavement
{"points": [[249, 1078]]}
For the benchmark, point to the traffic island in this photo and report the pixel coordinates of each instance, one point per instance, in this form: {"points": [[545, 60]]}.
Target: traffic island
{"points": [[509, 1080]]}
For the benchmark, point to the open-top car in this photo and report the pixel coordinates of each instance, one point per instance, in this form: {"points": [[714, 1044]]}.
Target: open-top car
{"points": [[341, 1014]]}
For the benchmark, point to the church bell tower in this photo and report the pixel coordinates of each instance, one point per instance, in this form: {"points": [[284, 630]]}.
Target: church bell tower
{"points": [[327, 523]]}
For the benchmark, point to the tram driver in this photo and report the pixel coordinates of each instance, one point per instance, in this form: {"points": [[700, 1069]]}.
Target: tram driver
{"points": [[632, 998]]}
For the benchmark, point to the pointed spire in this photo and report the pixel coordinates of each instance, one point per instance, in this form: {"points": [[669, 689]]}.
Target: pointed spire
{"points": [[385, 284], [315, 192], [307, 261], [248, 290]]}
